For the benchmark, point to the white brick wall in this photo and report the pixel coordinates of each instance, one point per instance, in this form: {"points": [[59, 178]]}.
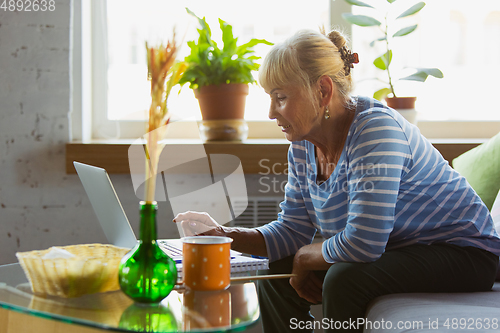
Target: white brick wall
{"points": [[41, 206]]}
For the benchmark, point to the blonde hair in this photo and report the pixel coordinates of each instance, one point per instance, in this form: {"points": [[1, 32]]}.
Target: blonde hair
{"points": [[303, 59]]}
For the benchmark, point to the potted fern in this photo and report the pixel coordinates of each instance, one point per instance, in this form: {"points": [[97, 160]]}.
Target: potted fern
{"points": [[406, 105], [220, 79]]}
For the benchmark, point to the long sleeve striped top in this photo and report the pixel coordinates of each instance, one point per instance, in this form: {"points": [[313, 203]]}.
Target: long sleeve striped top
{"points": [[390, 188]]}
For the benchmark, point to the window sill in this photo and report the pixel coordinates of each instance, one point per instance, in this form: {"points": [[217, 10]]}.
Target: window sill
{"points": [[256, 155]]}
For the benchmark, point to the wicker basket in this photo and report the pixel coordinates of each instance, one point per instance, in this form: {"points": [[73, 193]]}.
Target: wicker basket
{"points": [[93, 269]]}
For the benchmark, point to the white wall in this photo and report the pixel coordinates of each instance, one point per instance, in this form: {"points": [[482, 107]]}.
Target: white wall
{"points": [[41, 206]]}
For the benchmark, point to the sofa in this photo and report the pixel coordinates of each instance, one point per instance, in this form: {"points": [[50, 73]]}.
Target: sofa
{"points": [[450, 312], [443, 312]]}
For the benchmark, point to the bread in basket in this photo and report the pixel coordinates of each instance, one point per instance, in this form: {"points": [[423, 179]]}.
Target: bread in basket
{"points": [[72, 271]]}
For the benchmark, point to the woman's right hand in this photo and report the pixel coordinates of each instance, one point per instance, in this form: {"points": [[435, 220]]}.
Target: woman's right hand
{"points": [[198, 223]]}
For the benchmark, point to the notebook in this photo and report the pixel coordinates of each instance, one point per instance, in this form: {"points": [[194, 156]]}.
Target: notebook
{"points": [[117, 229]]}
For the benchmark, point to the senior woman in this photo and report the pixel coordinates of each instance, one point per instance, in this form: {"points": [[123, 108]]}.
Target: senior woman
{"points": [[394, 216]]}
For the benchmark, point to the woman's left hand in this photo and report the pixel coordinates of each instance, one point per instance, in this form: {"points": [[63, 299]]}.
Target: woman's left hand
{"points": [[306, 282]]}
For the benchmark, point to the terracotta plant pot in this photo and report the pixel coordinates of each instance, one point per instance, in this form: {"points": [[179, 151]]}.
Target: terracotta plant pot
{"points": [[405, 106], [223, 111], [225, 101], [401, 102]]}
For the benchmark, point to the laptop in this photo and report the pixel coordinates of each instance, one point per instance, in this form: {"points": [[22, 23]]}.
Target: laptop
{"points": [[112, 217], [117, 229]]}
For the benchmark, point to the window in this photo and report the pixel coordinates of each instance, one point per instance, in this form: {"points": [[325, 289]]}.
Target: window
{"points": [[121, 28], [491, 43], [129, 25], [460, 38]]}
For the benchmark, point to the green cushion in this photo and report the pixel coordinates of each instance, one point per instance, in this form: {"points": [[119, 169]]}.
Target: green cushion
{"points": [[495, 215], [481, 167]]}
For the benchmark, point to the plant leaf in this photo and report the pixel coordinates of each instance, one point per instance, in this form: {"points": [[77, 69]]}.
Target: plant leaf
{"points": [[207, 64], [405, 31], [361, 20], [418, 76], [383, 61], [205, 32], [422, 73], [372, 43], [246, 48], [358, 3], [412, 10], [254, 42], [227, 37], [390, 1], [381, 94], [433, 72]]}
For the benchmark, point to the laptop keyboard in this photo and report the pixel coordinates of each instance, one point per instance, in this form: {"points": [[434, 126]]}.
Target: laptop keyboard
{"points": [[169, 249]]}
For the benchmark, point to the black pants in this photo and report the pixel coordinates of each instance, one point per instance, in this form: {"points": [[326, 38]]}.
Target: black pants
{"points": [[349, 287]]}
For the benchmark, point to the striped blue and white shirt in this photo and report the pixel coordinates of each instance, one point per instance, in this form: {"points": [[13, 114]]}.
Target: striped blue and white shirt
{"points": [[390, 188]]}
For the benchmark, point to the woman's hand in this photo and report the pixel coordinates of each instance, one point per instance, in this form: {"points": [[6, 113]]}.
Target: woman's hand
{"points": [[306, 282], [245, 240], [198, 223]]}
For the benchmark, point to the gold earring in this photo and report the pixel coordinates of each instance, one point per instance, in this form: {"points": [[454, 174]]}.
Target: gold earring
{"points": [[327, 113]]}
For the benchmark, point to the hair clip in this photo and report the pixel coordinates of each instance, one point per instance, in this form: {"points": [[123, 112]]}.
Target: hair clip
{"points": [[349, 59], [354, 58]]}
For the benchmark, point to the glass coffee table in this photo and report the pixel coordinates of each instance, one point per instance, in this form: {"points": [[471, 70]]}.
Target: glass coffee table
{"points": [[230, 310]]}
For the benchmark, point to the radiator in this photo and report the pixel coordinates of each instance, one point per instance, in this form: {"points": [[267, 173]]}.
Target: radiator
{"points": [[260, 210]]}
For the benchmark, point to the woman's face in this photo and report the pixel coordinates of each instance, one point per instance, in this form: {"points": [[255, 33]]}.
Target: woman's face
{"points": [[294, 112]]}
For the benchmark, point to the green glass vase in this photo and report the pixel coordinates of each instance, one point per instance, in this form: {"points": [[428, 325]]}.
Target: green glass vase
{"points": [[146, 274]]}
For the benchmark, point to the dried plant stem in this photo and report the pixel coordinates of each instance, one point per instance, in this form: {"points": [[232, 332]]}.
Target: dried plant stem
{"points": [[160, 62], [153, 151]]}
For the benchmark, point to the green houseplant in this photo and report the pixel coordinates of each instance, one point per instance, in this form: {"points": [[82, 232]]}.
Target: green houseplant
{"points": [[220, 79], [388, 34]]}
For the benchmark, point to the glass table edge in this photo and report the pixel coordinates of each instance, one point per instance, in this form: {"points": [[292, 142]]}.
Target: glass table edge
{"points": [[86, 323]]}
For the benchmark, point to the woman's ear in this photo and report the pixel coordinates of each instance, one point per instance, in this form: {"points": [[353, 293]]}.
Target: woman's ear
{"points": [[326, 89]]}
